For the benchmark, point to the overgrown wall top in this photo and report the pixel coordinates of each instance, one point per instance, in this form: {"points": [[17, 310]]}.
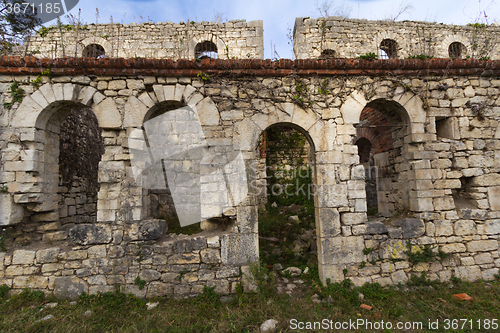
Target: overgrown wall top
{"points": [[235, 39], [350, 38]]}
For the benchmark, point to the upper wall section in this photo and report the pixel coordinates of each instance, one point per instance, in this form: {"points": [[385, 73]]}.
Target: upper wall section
{"points": [[337, 37], [235, 39]]}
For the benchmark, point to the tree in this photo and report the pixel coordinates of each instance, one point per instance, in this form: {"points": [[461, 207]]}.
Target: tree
{"points": [[17, 21]]}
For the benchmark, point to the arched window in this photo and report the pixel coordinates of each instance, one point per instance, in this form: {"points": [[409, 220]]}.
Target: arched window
{"points": [[206, 49], [328, 54], [456, 50], [93, 51], [388, 49]]}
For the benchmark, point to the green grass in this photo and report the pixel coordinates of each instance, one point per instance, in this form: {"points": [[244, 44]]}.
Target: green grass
{"points": [[117, 312]]}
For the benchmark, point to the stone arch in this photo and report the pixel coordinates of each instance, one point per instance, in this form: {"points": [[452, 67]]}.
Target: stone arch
{"points": [[331, 45], [36, 109], [442, 49], [108, 48], [221, 46], [42, 113], [411, 108], [141, 108], [402, 48]]}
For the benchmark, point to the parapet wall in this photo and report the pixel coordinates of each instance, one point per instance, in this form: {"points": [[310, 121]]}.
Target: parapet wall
{"points": [[236, 39], [439, 183], [351, 38]]}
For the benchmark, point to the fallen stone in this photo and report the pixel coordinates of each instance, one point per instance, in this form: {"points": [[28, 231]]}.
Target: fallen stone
{"points": [[294, 218], [462, 297], [49, 306], [269, 325], [49, 317], [366, 307], [87, 313], [293, 271], [152, 305]]}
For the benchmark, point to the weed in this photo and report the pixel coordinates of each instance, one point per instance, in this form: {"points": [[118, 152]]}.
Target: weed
{"points": [[363, 264], [418, 254], [421, 281], [368, 250], [4, 234], [4, 289], [421, 57], [209, 295], [370, 56], [323, 88], [203, 76], [140, 283], [262, 279], [17, 95], [4, 189]]}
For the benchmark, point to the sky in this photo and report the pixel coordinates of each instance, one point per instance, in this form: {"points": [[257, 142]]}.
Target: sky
{"points": [[279, 15]]}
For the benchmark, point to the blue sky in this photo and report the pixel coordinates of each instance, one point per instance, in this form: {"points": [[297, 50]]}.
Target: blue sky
{"points": [[279, 15]]}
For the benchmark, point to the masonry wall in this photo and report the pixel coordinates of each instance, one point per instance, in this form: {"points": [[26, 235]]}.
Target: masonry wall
{"points": [[351, 38], [439, 172], [236, 39]]}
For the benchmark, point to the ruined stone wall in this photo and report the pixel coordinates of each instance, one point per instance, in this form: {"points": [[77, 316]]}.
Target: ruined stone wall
{"points": [[351, 38], [457, 99], [236, 39]]}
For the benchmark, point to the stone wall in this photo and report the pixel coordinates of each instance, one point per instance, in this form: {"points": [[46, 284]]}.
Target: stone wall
{"points": [[351, 38], [447, 138], [236, 39]]}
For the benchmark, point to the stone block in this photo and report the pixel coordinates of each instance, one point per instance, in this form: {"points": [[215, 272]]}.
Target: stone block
{"points": [[375, 228], [239, 249], [32, 282], [247, 219], [329, 222], [483, 245], [443, 228], [23, 257], [47, 255], [465, 227], [412, 228], [184, 258], [492, 227], [341, 250], [149, 275], [145, 230], [494, 197], [210, 256], [158, 289], [12, 213], [353, 218], [443, 203], [90, 234]]}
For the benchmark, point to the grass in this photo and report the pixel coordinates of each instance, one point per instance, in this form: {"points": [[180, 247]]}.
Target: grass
{"points": [[117, 312]]}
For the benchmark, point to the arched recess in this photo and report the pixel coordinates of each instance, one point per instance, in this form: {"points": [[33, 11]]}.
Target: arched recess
{"points": [[161, 109], [401, 46], [286, 176], [42, 114], [108, 48], [329, 50], [221, 46], [385, 124], [443, 47]]}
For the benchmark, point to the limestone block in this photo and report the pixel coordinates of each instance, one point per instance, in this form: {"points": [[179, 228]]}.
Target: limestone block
{"points": [[465, 227], [51, 267], [468, 273], [23, 257], [492, 227], [157, 289], [145, 230], [89, 234], [149, 275], [304, 118], [135, 84], [494, 197], [393, 249], [491, 179], [443, 228], [14, 270], [329, 222], [117, 85], [210, 256], [483, 245], [412, 228], [69, 287], [443, 203], [247, 219], [238, 249], [207, 112], [188, 245], [332, 272], [483, 258], [399, 277], [135, 111], [32, 282], [97, 251], [323, 134], [134, 290], [331, 196], [352, 107], [184, 258], [47, 255], [376, 228], [421, 204], [352, 218], [12, 213], [107, 114], [341, 250]]}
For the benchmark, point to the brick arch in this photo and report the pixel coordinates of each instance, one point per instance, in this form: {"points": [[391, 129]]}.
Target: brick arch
{"points": [[36, 109], [375, 128]]}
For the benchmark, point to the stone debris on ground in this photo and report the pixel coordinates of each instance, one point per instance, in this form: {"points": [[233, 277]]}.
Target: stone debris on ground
{"points": [[88, 313], [366, 307], [152, 305], [48, 317], [293, 271], [462, 297], [48, 306], [269, 325]]}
